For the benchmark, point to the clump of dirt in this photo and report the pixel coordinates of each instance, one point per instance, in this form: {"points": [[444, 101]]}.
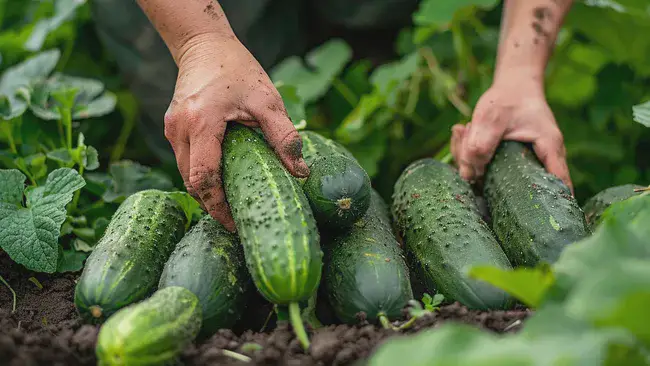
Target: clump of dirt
{"points": [[46, 330]]}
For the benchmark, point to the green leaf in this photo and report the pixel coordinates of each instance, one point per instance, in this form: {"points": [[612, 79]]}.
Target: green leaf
{"points": [[460, 344], [91, 100], [388, 76], [325, 63], [529, 285], [71, 261], [441, 13], [15, 83], [641, 113], [129, 177], [292, 102], [190, 206], [63, 11], [81, 246], [29, 233], [60, 155]]}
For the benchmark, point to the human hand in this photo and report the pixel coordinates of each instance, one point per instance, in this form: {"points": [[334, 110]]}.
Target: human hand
{"points": [[220, 81], [512, 109]]}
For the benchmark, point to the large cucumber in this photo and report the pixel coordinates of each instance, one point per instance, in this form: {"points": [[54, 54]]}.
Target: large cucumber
{"points": [[338, 188], [444, 234], [365, 270], [126, 264], [152, 332], [209, 261], [534, 214], [275, 223], [596, 205]]}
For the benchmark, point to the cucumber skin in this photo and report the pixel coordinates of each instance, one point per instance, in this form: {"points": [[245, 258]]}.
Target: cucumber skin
{"points": [[275, 223], [444, 234], [332, 178], [315, 145], [126, 264], [365, 269], [209, 261], [534, 214], [595, 206], [152, 332]]}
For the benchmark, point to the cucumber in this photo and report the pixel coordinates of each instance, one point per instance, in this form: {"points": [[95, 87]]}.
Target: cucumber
{"points": [[315, 145], [209, 261], [596, 205], [444, 234], [152, 332], [126, 264], [275, 222], [365, 270], [338, 190], [534, 214]]}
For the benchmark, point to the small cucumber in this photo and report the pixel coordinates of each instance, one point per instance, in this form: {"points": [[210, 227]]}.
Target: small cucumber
{"points": [[209, 261], [126, 264], [596, 205], [151, 332], [365, 270]]}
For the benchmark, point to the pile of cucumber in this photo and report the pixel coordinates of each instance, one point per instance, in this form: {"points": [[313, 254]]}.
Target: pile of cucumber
{"points": [[157, 286]]}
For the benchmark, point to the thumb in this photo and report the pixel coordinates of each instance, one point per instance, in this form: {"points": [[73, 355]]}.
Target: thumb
{"points": [[552, 154], [284, 139], [481, 141]]}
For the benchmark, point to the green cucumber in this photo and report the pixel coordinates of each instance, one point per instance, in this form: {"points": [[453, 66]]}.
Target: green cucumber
{"points": [[315, 145], [338, 190], [444, 234], [596, 205], [534, 214], [152, 332], [365, 270], [209, 261], [126, 263], [275, 223]]}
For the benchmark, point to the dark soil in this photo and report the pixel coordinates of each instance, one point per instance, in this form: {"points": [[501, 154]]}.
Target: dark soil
{"points": [[45, 330]]}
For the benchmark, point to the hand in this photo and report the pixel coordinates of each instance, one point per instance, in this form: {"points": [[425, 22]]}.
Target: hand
{"points": [[220, 81], [512, 109]]}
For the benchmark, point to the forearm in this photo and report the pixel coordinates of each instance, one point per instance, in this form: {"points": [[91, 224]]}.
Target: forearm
{"points": [[181, 23], [529, 30]]}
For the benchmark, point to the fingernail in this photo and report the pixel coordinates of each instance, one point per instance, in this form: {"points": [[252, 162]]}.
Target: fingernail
{"points": [[301, 169]]}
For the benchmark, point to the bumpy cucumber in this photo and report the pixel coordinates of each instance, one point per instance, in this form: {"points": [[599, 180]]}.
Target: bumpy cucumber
{"points": [[534, 214], [274, 220], [444, 234], [365, 270], [596, 205], [209, 261], [338, 190], [126, 264], [152, 332]]}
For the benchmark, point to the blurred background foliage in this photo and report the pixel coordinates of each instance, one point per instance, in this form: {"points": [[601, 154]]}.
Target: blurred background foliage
{"points": [[388, 110]]}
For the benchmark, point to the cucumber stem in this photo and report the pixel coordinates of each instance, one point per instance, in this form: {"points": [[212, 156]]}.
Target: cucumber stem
{"points": [[235, 355], [383, 319], [13, 293], [298, 326]]}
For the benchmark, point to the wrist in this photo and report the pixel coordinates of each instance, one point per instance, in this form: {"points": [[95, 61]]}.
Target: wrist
{"points": [[201, 45]]}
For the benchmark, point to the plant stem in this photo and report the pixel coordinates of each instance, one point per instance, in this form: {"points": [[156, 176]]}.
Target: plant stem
{"points": [[59, 125], [345, 91], [298, 326], [383, 319], [123, 139], [68, 126], [235, 355], [266, 322], [13, 293], [7, 126], [75, 199], [408, 324]]}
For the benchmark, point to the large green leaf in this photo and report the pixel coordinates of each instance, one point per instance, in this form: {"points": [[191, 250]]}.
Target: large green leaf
{"points": [[441, 13], [323, 65], [15, 83], [29, 232], [642, 113], [63, 11]]}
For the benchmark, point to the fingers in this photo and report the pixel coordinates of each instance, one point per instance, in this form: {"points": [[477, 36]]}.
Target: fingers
{"points": [[205, 171], [283, 137], [178, 138], [457, 135], [551, 152], [481, 141]]}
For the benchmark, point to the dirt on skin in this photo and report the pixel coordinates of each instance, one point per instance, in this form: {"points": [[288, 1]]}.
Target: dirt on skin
{"points": [[45, 330]]}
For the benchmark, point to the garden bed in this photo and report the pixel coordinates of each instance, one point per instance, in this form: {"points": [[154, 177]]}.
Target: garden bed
{"points": [[45, 330]]}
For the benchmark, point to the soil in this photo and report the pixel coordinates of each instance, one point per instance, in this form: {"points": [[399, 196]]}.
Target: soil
{"points": [[45, 330]]}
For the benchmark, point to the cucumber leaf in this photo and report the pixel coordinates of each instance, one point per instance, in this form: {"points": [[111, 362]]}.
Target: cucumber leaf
{"points": [[32, 218], [71, 261], [641, 113]]}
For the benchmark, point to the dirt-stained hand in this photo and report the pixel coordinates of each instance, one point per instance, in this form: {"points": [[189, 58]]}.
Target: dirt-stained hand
{"points": [[510, 110], [220, 81]]}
